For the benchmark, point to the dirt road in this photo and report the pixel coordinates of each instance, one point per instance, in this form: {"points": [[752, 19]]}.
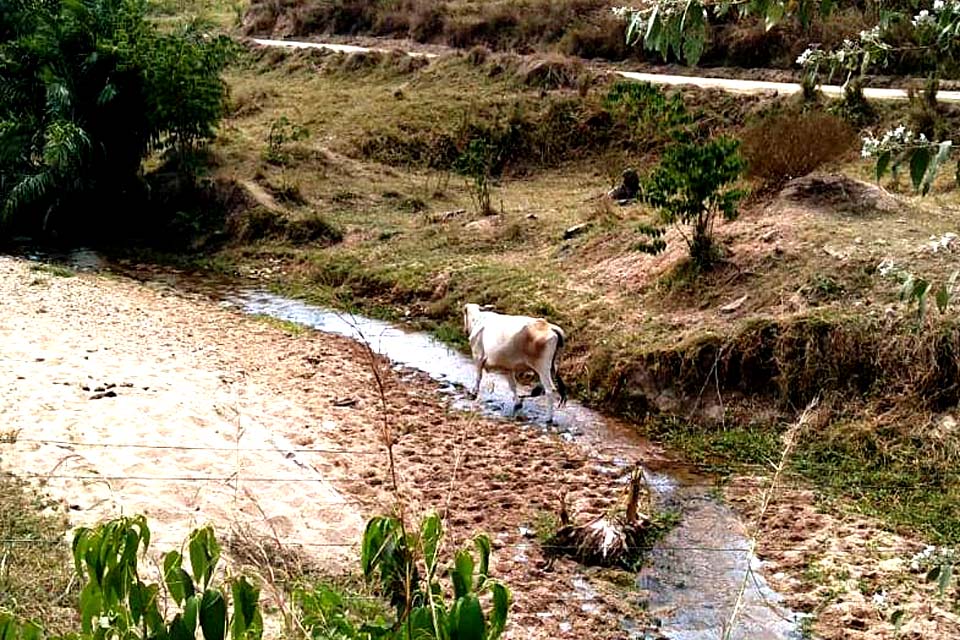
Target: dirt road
{"points": [[732, 85], [132, 399]]}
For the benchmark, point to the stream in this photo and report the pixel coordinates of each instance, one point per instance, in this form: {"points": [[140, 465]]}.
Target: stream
{"points": [[693, 576]]}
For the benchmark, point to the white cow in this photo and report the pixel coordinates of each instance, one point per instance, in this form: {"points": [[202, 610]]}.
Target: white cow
{"points": [[513, 344]]}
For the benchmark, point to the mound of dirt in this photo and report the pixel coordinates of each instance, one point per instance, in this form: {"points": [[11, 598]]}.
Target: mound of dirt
{"points": [[838, 193]]}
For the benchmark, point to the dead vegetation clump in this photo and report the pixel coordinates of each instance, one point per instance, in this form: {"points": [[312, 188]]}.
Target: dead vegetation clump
{"points": [[610, 540], [551, 73], [787, 145], [262, 223]]}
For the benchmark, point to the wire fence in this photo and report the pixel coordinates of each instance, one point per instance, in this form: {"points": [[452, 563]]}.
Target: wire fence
{"points": [[691, 475]]}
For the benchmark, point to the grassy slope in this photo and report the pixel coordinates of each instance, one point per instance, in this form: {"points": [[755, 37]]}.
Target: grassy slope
{"points": [[625, 311]]}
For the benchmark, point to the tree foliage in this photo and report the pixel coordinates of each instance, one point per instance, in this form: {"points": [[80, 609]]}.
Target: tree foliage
{"points": [[926, 31], [89, 88]]}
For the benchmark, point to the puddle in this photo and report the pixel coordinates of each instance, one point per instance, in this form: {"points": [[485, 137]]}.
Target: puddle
{"points": [[693, 576]]}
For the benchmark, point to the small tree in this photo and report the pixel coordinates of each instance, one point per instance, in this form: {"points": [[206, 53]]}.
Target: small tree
{"points": [[476, 163], [691, 186]]}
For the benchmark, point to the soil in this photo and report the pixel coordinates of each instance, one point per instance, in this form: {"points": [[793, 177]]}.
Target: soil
{"points": [[127, 398], [138, 398], [841, 569]]}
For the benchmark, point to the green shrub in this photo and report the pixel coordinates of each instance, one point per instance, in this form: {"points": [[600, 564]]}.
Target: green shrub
{"points": [[690, 186], [407, 570], [116, 603]]}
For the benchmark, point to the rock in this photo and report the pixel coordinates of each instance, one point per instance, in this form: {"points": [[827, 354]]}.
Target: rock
{"points": [[770, 235], [447, 215], [628, 189], [833, 253], [736, 304], [576, 230]]}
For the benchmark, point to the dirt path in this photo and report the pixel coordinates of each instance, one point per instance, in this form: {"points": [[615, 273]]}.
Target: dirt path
{"points": [[133, 399], [732, 85]]}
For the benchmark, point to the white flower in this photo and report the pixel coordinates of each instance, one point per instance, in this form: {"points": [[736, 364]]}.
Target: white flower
{"points": [[938, 5], [103, 622], [923, 19], [880, 599]]}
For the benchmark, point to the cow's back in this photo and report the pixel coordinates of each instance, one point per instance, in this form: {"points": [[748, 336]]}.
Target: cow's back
{"points": [[512, 341]]}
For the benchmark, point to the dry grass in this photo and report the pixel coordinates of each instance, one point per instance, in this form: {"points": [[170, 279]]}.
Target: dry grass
{"points": [[790, 145], [36, 569]]}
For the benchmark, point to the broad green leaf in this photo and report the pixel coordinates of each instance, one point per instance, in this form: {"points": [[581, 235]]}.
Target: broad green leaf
{"points": [[204, 555], [213, 615], [943, 152], [919, 163], [933, 574], [883, 163], [467, 619], [247, 620], [482, 543], [431, 531], [462, 574], [896, 618], [498, 615], [190, 610], [179, 630], [173, 576]]}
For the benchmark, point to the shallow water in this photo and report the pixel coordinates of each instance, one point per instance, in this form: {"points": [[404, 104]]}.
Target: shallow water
{"points": [[693, 576]]}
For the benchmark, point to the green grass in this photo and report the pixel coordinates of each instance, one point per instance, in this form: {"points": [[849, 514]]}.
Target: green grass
{"points": [[35, 575]]}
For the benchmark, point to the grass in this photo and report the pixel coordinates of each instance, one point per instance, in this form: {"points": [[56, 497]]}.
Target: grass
{"points": [[36, 567], [57, 270]]}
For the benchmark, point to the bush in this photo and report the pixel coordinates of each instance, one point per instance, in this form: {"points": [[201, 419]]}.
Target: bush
{"points": [[90, 89], [690, 187], [116, 603], [784, 146], [406, 568]]}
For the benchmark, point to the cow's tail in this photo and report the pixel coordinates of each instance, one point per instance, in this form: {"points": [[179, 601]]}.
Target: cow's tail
{"points": [[537, 390], [561, 386]]}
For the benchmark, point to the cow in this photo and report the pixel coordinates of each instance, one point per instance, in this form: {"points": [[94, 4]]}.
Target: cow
{"points": [[512, 345]]}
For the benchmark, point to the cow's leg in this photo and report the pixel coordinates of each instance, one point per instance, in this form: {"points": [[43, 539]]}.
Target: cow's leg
{"points": [[550, 391], [481, 363], [517, 402]]}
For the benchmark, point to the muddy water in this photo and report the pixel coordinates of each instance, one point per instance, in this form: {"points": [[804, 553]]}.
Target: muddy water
{"points": [[693, 576]]}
